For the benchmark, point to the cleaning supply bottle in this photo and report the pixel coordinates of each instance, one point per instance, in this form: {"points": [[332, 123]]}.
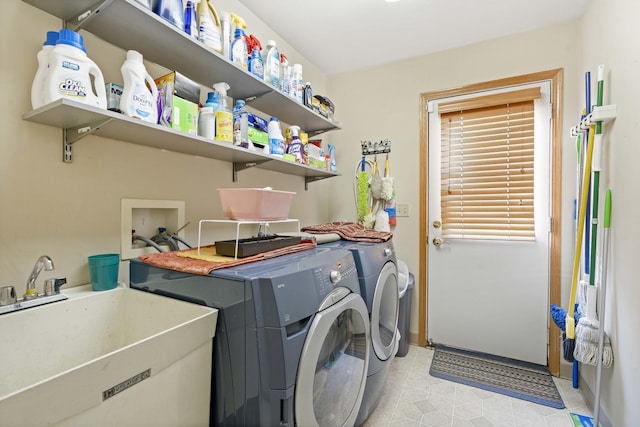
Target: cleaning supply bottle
{"points": [[297, 86], [191, 20], [296, 148], [71, 73], [224, 116], [285, 72], [138, 100], [239, 46], [272, 64], [225, 25], [43, 68], [276, 140], [209, 26], [255, 64], [170, 10], [207, 116], [240, 124]]}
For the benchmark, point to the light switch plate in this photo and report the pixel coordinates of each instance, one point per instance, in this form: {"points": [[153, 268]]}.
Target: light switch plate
{"points": [[402, 209]]}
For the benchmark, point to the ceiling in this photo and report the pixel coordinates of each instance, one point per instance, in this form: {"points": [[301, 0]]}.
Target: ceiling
{"points": [[348, 35]]}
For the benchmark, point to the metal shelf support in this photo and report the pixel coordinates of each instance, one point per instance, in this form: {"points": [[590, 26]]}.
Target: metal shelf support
{"points": [[72, 135]]}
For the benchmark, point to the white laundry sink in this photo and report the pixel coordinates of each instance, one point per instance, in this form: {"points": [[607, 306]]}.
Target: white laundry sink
{"points": [[118, 357]]}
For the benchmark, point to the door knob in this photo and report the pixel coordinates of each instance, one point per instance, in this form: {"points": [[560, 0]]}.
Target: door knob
{"points": [[437, 242]]}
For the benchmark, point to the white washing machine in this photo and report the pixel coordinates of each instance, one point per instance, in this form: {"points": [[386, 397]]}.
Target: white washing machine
{"points": [[378, 276]]}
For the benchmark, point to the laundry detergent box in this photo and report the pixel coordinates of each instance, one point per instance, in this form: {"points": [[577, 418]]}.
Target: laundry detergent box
{"points": [[184, 115]]}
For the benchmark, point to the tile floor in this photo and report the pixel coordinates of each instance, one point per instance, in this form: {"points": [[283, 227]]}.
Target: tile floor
{"points": [[412, 397]]}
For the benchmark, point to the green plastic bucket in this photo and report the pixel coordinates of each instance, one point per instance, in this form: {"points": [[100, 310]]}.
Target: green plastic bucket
{"points": [[103, 269]]}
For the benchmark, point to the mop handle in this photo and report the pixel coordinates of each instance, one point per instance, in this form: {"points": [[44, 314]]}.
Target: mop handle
{"points": [[570, 321], [596, 168]]}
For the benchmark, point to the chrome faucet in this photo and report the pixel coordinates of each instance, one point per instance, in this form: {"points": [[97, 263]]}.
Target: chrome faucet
{"points": [[43, 262]]}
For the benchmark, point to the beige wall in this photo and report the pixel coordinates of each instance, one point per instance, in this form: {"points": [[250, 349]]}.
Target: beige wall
{"points": [[611, 37], [70, 211], [384, 103]]}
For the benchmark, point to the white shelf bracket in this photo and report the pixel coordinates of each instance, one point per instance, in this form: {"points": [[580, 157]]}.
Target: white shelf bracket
{"points": [[78, 22]]}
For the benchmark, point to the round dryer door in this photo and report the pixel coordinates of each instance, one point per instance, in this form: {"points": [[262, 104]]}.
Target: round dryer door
{"points": [[333, 367], [384, 312]]}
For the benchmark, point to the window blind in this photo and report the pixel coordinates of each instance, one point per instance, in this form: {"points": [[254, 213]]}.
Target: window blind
{"points": [[487, 153]]}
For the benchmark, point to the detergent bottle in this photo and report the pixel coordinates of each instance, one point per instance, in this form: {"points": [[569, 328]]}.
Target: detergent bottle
{"points": [[191, 20], [272, 64], [276, 140], [239, 50], [297, 85], [240, 124], [70, 72], [170, 10], [139, 97], [296, 148], [209, 26], [224, 116], [207, 116], [43, 68]]}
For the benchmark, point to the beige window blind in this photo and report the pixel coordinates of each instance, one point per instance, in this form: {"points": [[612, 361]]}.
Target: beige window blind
{"points": [[487, 152]]}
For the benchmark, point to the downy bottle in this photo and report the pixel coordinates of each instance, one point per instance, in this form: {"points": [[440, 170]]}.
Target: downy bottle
{"points": [[43, 67], [139, 94], [272, 64]]}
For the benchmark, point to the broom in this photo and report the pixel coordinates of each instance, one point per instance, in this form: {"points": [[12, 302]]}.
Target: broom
{"points": [[587, 329], [570, 323]]}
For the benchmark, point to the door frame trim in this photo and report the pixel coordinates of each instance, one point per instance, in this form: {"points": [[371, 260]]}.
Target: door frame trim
{"points": [[555, 76]]}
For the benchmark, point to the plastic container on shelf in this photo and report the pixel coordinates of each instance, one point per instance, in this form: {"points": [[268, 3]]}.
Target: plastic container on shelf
{"points": [[191, 20], [209, 26], [171, 11], [285, 74], [297, 85], [224, 114], [276, 140], [271, 60], [138, 100], [405, 285], [207, 116], [255, 204], [43, 68], [72, 74], [239, 50]]}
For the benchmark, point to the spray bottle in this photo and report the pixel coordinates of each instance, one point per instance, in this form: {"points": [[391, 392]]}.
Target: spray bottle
{"points": [[209, 26], [296, 148], [239, 50], [224, 116]]}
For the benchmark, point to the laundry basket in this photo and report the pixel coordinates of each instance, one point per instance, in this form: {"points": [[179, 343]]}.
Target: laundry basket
{"points": [[405, 287]]}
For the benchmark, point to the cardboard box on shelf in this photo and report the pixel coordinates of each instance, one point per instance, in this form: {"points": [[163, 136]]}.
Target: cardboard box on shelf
{"points": [[178, 99]]}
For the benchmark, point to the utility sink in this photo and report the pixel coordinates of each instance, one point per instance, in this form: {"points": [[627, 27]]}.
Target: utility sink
{"points": [[117, 357]]}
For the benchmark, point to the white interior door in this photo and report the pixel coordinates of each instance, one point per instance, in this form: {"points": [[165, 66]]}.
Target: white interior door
{"points": [[492, 296]]}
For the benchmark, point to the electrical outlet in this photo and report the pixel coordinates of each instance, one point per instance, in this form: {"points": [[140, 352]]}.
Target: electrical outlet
{"points": [[402, 209]]}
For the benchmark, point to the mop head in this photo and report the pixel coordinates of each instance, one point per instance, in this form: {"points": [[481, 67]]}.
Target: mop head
{"points": [[369, 220], [382, 222], [586, 351], [376, 186], [386, 192], [558, 315]]}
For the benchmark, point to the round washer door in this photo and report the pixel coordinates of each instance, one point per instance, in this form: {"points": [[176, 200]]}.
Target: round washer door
{"points": [[333, 367], [384, 312]]}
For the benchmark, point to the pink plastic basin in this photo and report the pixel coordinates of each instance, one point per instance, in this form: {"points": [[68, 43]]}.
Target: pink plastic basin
{"points": [[255, 204]]}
